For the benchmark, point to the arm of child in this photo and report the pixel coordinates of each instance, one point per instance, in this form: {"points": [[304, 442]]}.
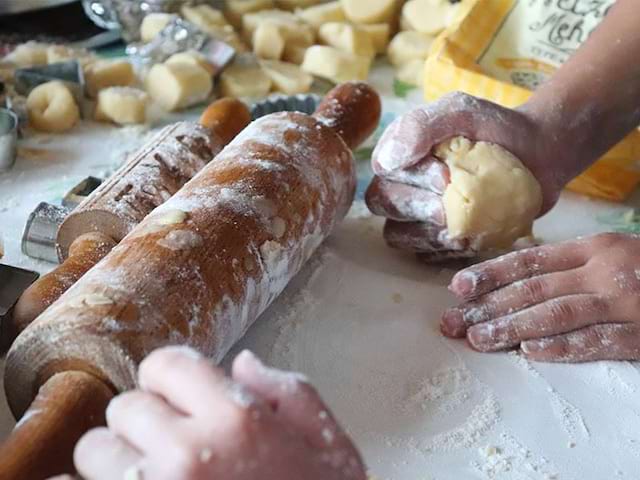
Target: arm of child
{"points": [[188, 421], [588, 105]]}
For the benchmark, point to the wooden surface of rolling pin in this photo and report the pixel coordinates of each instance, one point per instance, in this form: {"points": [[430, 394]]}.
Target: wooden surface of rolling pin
{"points": [[222, 120], [202, 267]]}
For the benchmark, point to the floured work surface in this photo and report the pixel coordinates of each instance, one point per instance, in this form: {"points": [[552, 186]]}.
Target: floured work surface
{"points": [[362, 322]]}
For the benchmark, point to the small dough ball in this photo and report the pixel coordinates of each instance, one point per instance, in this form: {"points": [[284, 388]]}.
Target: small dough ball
{"points": [[52, 108], [30, 54], [178, 85], [291, 5], [205, 17], [293, 29], [192, 57], [244, 81], [348, 38], [493, 198], [152, 25], [407, 46], [335, 65], [294, 53], [62, 53], [268, 41], [426, 16], [369, 11], [411, 72], [105, 73], [236, 9], [287, 77], [379, 34], [318, 15], [122, 105]]}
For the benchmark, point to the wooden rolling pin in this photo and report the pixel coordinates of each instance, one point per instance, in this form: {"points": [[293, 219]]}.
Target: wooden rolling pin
{"points": [[156, 172], [198, 270]]}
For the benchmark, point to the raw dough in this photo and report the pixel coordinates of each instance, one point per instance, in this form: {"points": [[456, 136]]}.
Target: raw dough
{"points": [[335, 65], [411, 72], [407, 46], [493, 198], [153, 24], [28, 54], [52, 108], [318, 15], [348, 38], [269, 41], [104, 73], [287, 77], [294, 53], [426, 16], [292, 27], [178, 85], [244, 81], [236, 9], [293, 4], [369, 11], [379, 33], [122, 105], [192, 57]]}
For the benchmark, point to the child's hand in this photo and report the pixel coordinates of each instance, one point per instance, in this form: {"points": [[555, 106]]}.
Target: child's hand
{"points": [[570, 302], [409, 181], [190, 422]]}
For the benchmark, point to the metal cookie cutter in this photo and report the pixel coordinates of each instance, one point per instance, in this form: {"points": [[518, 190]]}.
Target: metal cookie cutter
{"points": [[26, 79], [8, 138], [304, 102], [40, 232]]}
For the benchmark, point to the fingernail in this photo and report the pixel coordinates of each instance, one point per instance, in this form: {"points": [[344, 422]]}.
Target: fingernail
{"points": [[481, 335], [452, 323], [464, 283]]}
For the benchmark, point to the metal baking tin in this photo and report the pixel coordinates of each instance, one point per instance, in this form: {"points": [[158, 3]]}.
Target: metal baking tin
{"points": [[82, 190], [8, 138], [26, 79], [305, 103], [39, 237]]}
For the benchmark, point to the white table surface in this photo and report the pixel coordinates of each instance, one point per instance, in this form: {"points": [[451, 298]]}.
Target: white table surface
{"points": [[362, 322]]}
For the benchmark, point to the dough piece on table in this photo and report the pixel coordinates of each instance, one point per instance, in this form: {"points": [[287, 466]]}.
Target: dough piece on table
{"points": [[105, 73], [291, 5], [52, 108], [178, 85], [28, 54], [379, 33], [244, 81], [61, 53], [293, 29], [411, 72], [426, 16], [153, 23], [192, 57], [318, 15], [236, 9], [287, 77], [227, 34], [407, 46], [294, 53], [369, 11], [205, 17], [335, 65], [493, 198], [348, 38], [122, 105], [269, 41]]}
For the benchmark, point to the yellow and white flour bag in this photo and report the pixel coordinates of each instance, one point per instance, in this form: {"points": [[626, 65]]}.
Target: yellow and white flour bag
{"points": [[501, 50]]}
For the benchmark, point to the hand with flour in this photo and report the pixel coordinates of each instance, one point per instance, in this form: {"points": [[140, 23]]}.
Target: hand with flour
{"points": [[188, 421], [570, 302]]}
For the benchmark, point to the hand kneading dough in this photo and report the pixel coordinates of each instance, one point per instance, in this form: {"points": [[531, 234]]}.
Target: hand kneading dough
{"points": [[244, 81], [493, 198], [122, 105], [287, 77], [348, 38], [369, 11], [178, 85], [335, 65], [51, 107]]}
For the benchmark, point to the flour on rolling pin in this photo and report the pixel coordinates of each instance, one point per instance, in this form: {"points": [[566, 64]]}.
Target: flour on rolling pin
{"points": [[158, 171]]}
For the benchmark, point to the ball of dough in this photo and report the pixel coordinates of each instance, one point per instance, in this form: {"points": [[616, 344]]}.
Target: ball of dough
{"points": [[369, 11], [407, 46], [105, 73], [426, 16], [28, 54], [178, 85], [493, 198], [318, 15], [192, 57], [269, 41], [348, 38], [287, 77], [152, 25], [335, 65], [244, 81], [122, 105], [52, 108]]}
